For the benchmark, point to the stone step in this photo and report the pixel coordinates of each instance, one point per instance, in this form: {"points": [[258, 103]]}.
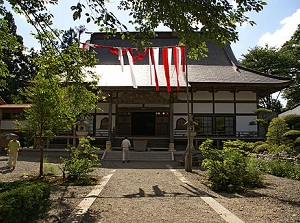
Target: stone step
{"points": [[139, 156]]}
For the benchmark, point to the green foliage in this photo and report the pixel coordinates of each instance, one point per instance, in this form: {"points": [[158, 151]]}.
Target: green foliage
{"points": [[283, 62], [23, 202], [51, 169], [260, 146], [292, 49], [276, 130], [59, 92], [263, 118], [229, 169], [281, 168], [81, 162], [17, 60], [292, 134], [292, 120], [217, 21]]}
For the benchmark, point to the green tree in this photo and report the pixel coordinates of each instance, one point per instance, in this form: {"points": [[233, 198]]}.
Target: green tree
{"points": [[292, 49], [263, 118], [12, 59], [58, 93], [276, 130], [269, 60], [283, 62], [194, 22]]}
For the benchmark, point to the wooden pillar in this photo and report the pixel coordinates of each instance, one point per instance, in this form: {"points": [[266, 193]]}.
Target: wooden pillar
{"points": [[108, 142], [171, 117]]}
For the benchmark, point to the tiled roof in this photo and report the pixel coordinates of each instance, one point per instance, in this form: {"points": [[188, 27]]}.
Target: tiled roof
{"points": [[2, 101], [8, 106], [294, 110], [219, 68]]}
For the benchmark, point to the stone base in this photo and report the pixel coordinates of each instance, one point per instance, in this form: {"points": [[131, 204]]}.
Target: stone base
{"points": [[171, 147], [108, 146]]}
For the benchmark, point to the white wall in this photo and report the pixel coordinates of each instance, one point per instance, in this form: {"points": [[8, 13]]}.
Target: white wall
{"points": [[224, 108], [224, 95], [242, 123], [104, 107], [9, 124], [180, 108], [202, 95], [203, 108], [245, 107], [245, 95]]}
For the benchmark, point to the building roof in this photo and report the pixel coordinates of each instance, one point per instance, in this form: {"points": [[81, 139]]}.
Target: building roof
{"points": [[220, 70], [293, 110], [14, 106], [2, 101]]}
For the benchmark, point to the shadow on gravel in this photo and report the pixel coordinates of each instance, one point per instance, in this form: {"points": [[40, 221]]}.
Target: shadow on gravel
{"points": [[61, 201], [290, 201], [141, 165], [5, 170], [191, 192]]}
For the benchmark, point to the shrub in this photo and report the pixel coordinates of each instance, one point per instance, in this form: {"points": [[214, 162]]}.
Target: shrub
{"points": [[81, 162], [281, 169], [261, 147], [229, 169], [292, 134], [276, 130], [23, 202], [292, 120], [51, 169], [297, 142]]}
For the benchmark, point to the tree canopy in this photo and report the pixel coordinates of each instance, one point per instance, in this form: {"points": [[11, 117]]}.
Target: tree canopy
{"points": [[194, 22], [282, 62]]}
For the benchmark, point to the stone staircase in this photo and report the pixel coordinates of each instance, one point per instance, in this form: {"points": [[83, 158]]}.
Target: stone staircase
{"points": [[148, 156]]}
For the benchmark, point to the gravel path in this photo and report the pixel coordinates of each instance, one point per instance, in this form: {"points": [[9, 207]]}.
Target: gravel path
{"points": [[150, 192]]}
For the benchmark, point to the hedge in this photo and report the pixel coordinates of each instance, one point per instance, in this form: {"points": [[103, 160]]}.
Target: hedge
{"points": [[23, 202]]}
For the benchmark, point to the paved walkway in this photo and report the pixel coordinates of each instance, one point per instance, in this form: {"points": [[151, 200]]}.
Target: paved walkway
{"points": [[161, 194], [140, 192]]}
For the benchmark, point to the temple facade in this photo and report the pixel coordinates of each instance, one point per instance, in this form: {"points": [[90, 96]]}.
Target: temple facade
{"points": [[150, 92]]}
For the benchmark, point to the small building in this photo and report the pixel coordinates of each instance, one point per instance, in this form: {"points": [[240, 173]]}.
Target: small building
{"points": [[8, 114], [293, 110]]}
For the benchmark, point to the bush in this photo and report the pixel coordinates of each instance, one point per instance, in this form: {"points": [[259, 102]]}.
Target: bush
{"points": [[292, 120], [297, 142], [23, 202], [262, 147], [292, 134], [81, 162], [276, 130], [229, 169], [281, 169]]}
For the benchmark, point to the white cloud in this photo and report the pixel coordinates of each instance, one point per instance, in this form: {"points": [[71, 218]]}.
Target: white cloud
{"points": [[280, 36]]}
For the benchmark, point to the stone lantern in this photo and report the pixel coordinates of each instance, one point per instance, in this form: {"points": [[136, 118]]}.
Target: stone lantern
{"points": [[82, 131], [190, 149]]}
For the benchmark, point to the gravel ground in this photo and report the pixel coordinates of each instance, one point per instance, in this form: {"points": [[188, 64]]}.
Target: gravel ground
{"points": [[149, 192]]}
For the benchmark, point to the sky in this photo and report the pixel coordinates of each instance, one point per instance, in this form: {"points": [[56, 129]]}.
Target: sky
{"points": [[274, 25]]}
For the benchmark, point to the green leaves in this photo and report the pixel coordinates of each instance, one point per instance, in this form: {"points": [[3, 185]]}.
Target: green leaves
{"points": [[59, 92], [229, 169]]}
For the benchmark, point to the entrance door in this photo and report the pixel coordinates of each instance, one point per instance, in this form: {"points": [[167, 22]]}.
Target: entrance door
{"points": [[143, 123]]}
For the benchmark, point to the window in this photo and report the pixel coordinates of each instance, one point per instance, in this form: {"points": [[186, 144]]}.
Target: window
{"points": [[6, 116], [210, 125], [180, 124], [18, 116], [104, 123], [224, 125], [205, 125]]}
